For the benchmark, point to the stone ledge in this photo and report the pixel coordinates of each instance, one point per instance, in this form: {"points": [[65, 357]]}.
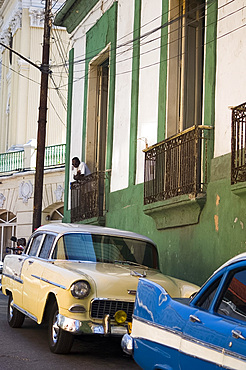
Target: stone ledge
{"points": [[98, 221], [239, 189], [182, 210]]}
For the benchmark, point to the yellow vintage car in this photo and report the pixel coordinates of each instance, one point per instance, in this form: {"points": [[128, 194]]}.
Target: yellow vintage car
{"points": [[81, 279]]}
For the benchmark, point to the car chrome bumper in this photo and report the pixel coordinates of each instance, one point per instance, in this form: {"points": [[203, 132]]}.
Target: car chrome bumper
{"points": [[127, 344], [88, 327]]}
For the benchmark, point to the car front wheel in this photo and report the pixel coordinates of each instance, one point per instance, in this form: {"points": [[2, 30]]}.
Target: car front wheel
{"points": [[15, 317], [60, 341]]}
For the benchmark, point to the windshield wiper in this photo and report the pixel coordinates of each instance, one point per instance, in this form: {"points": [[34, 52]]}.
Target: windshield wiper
{"points": [[131, 263]]}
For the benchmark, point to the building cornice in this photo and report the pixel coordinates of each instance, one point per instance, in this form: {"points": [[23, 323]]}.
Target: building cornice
{"points": [[73, 12]]}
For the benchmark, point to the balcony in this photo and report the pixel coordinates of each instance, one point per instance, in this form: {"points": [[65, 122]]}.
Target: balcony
{"points": [[54, 155], [176, 166], [87, 198], [25, 159], [176, 174], [12, 161]]}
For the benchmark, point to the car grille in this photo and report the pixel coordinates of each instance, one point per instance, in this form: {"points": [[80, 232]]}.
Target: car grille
{"points": [[102, 307]]}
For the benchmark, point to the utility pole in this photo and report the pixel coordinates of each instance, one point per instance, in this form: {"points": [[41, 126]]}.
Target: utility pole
{"points": [[38, 187]]}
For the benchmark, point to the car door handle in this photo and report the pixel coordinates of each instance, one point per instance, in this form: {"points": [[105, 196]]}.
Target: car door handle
{"points": [[237, 334], [194, 319], [30, 262]]}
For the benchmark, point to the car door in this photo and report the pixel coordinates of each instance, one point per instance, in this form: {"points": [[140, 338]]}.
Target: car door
{"points": [[215, 336], [13, 270], [31, 270], [205, 334], [205, 338], [232, 306]]}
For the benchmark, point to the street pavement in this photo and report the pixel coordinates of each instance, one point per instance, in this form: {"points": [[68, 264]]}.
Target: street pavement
{"points": [[27, 348]]}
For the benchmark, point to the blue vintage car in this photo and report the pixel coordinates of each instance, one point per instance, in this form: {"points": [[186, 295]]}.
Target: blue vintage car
{"points": [[206, 332]]}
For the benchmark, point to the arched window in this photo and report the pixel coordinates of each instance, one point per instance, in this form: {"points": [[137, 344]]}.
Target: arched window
{"points": [[57, 214]]}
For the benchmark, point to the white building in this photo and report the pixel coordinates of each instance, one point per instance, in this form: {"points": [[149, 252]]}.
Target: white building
{"points": [[21, 29]]}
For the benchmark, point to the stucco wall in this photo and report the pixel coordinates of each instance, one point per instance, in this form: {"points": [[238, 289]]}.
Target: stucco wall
{"points": [[148, 81], [18, 193]]}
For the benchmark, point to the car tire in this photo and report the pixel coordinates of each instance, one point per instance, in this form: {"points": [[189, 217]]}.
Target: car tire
{"points": [[15, 317], [60, 341]]}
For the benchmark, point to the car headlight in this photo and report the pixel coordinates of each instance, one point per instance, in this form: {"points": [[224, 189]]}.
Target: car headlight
{"points": [[80, 289]]}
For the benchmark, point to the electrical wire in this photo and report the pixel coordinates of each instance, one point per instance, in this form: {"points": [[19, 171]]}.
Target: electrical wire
{"points": [[178, 55]]}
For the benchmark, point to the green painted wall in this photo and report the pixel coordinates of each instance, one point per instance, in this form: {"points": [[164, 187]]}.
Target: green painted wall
{"points": [[190, 252]]}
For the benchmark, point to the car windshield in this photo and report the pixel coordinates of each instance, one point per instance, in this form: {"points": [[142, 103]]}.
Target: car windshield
{"points": [[106, 248]]}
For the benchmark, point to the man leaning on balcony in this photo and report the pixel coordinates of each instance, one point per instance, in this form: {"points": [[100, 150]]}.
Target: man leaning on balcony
{"points": [[80, 169]]}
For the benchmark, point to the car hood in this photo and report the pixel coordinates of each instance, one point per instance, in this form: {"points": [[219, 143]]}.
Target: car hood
{"points": [[114, 280]]}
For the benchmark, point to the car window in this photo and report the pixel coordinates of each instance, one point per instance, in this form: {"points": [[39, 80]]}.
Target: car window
{"points": [[35, 245], [47, 245], [233, 303], [59, 251], [75, 247], [206, 299], [106, 249]]}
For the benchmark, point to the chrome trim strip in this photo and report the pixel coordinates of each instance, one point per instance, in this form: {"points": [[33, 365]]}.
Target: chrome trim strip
{"points": [[111, 299], [190, 339], [15, 278], [25, 313], [86, 327], [49, 282], [127, 344], [81, 308]]}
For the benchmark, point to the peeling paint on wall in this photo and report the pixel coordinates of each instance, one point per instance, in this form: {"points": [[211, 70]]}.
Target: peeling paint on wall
{"points": [[241, 223], [216, 217], [217, 200], [216, 222]]}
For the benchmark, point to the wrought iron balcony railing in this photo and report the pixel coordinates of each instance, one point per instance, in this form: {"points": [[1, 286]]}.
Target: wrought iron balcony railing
{"points": [[238, 143], [87, 197], [177, 165], [12, 161]]}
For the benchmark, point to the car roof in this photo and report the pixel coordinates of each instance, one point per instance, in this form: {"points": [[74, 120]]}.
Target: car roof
{"points": [[239, 258], [63, 228]]}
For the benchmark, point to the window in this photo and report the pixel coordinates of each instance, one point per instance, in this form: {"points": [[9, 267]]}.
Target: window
{"points": [[233, 303], [97, 111], [185, 69], [35, 245], [207, 298], [47, 245], [105, 248], [59, 252]]}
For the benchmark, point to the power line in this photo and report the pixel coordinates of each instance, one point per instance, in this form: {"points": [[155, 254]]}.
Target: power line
{"points": [[146, 34], [178, 55]]}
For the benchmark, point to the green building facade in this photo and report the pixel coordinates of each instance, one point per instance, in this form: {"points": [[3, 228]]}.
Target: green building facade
{"points": [[176, 183]]}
